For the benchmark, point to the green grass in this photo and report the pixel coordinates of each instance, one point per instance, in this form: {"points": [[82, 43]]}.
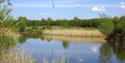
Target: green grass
{"points": [[57, 27]]}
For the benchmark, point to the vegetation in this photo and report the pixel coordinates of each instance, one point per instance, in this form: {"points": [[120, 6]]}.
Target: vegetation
{"points": [[7, 24], [16, 55], [74, 32], [21, 24], [5, 8], [109, 26], [105, 24], [118, 33], [112, 27], [6, 21]]}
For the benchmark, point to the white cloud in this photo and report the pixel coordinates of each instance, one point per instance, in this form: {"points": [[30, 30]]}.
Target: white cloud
{"points": [[122, 5], [98, 9]]}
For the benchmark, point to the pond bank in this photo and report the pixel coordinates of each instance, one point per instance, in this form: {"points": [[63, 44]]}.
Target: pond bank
{"points": [[75, 32], [76, 39], [68, 32]]}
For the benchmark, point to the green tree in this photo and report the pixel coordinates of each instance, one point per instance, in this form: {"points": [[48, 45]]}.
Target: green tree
{"points": [[76, 22], [121, 24], [49, 22], [21, 24], [107, 25]]}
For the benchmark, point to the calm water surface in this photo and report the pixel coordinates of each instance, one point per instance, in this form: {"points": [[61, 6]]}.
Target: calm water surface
{"points": [[69, 50]]}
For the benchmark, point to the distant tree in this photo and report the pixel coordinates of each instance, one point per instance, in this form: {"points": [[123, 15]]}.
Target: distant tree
{"points": [[49, 21], [66, 23], [76, 22], [21, 18], [21, 23]]}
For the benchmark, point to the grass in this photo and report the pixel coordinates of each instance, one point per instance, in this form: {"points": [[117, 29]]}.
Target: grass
{"points": [[75, 32], [15, 56], [76, 39], [9, 33]]}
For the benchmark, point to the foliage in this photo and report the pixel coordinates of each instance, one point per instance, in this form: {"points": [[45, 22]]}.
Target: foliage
{"points": [[6, 42], [121, 24], [106, 26], [75, 22], [21, 24], [5, 9]]}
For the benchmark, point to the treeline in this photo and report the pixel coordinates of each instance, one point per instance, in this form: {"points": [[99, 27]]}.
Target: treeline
{"points": [[75, 22], [105, 24]]}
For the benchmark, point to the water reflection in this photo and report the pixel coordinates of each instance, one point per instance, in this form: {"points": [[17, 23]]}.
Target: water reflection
{"points": [[25, 37], [118, 49], [65, 44], [105, 53], [112, 53], [61, 49]]}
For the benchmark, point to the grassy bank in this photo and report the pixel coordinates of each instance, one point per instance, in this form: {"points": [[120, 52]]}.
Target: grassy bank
{"points": [[61, 31], [74, 32]]}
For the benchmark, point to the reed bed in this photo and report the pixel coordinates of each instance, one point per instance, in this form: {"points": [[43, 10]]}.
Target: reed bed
{"points": [[9, 33], [15, 56], [74, 32]]}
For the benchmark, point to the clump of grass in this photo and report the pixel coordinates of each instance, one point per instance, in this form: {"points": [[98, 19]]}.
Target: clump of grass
{"points": [[15, 56], [9, 33]]}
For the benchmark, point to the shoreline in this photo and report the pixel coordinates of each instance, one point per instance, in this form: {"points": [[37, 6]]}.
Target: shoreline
{"points": [[76, 39], [68, 32], [74, 32]]}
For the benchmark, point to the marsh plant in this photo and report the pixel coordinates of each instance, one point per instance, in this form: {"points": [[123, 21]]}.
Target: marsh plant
{"points": [[15, 55]]}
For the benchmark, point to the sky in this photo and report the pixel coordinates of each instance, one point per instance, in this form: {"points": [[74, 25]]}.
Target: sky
{"points": [[84, 9]]}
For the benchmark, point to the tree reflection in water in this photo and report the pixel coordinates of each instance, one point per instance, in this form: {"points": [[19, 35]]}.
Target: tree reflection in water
{"points": [[65, 44], [105, 53], [24, 37], [107, 50], [118, 49]]}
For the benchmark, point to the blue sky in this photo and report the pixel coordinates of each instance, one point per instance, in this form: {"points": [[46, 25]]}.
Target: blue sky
{"points": [[37, 9]]}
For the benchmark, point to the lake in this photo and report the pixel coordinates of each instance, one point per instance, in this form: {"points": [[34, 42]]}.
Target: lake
{"points": [[61, 49]]}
